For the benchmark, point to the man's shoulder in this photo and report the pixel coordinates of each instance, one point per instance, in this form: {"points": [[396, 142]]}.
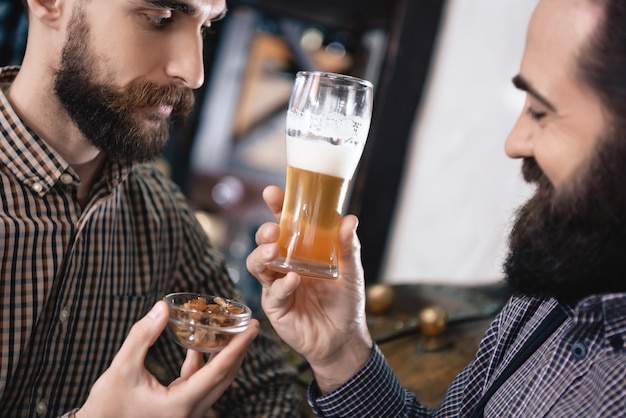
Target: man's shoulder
{"points": [[149, 169], [521, 305], [149, 181]]}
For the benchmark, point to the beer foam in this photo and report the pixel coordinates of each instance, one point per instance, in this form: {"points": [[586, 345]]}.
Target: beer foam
{"points": [[321, 156]]}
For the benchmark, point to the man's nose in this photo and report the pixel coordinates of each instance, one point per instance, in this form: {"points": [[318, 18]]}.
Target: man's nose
{"points": [[519, 143], [186, 64]]}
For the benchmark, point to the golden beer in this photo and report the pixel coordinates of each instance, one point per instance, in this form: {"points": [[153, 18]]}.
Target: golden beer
{"points": [[327, 123], [310, 220]]}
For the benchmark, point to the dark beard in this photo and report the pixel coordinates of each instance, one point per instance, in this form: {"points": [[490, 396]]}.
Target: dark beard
{"points": [[117, 122], [572, 244]]}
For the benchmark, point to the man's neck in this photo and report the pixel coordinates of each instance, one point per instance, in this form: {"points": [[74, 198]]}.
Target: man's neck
{"points": [[42, 112], [88, 173]]}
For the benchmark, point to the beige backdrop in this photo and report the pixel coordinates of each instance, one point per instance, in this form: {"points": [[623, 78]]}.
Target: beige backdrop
{"points": [[460, 189]]}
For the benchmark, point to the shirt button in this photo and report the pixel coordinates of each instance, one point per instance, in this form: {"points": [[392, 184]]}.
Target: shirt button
{"points": [[36, 187], [617, 342], [66, 178], [64, 315], [41, 408], [579, 351]]}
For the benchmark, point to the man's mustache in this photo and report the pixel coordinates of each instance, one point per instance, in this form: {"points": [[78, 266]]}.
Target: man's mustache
{"points": [[143, 93], [531, 171], [533, 174]]}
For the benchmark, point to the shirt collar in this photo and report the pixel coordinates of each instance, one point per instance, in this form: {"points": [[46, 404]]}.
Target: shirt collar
{"points": [[37, 165], [608, 308]]}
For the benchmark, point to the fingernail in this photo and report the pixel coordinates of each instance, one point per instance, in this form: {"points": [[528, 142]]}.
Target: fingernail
{"points": [[156, 311]]}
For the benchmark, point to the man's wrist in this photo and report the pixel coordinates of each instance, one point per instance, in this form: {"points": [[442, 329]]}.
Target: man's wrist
{"points": [[342, 365]]}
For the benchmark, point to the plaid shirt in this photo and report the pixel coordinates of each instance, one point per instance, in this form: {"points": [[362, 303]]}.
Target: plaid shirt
{"points": [[74, 279], [579, 371]]}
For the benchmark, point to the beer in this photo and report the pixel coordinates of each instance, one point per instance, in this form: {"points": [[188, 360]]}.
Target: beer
{"points": [[318, 177], [310, 219], [327, 124]]}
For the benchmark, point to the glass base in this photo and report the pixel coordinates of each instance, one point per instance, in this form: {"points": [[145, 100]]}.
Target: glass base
{"points": [[309, 269]]}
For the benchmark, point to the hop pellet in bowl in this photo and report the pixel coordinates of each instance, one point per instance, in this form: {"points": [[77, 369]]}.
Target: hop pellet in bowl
{"points": [[203, 322]]}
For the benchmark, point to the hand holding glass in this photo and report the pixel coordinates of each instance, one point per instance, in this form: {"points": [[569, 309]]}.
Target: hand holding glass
{"points": [[327, 124]]}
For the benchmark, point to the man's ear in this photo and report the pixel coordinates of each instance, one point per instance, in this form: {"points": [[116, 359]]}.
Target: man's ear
{"points": [[49, 12]]}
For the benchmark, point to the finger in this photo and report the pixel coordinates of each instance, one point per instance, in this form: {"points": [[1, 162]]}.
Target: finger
{"points": [[142, 336], [193, 362], [273, 197], [257, 262], [281, 290], [350, 248], [268, 232], [208, 383], [218, 383]]}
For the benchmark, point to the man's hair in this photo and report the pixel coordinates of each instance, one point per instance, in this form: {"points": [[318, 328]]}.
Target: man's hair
{"points": [[603, 63]]}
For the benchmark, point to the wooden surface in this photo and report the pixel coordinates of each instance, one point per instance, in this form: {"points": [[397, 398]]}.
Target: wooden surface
{"points": [[428, 374]]}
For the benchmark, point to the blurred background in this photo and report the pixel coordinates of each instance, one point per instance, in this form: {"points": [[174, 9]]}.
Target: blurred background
{"points": [[434, 192]]}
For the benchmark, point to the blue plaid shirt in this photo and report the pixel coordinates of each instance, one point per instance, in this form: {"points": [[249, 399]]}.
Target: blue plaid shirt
{"points": [[579, 371]]}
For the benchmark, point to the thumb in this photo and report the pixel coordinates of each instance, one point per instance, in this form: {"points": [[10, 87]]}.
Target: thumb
{"points": [[349, 248], [143, 334]]}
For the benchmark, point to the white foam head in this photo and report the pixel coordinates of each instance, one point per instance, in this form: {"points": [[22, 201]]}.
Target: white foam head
{"points": [[323, 157]]}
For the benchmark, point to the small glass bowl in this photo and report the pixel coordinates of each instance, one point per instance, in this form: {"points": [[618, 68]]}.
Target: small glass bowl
{"points": [[203, 322]]}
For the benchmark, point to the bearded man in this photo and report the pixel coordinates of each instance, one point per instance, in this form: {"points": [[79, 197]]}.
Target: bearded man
{"points": [[93, 236], [557, 348]]}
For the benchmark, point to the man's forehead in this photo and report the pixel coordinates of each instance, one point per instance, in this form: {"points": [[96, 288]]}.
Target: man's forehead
{"points": [[558, 31], [569, 19]]}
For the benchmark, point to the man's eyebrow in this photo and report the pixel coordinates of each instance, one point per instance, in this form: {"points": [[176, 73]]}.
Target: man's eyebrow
{"points": [[520, 83], [177, 5]]}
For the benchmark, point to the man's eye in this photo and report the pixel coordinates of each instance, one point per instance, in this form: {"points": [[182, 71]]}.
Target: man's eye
{"points": [[537, 116], [159, 21]]}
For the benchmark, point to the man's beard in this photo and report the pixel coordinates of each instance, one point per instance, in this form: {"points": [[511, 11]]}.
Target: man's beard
{"points": [[122, 123], [572, 243]]}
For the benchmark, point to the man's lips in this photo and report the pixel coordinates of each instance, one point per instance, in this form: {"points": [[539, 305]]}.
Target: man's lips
{"points": [[161, 111], [164, 109]]}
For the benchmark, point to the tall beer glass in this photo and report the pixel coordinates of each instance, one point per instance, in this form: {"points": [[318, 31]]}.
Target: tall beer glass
{"points": [[327, 124]]}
